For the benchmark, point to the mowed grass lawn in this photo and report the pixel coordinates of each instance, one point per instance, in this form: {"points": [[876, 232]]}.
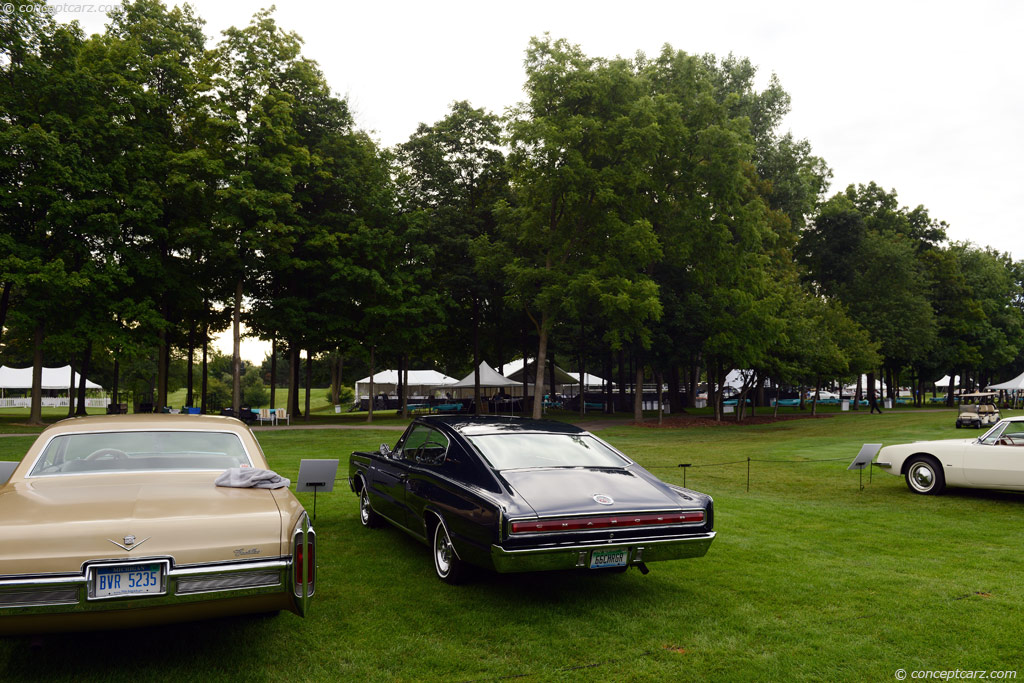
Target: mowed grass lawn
{"points": [[810, 579]]}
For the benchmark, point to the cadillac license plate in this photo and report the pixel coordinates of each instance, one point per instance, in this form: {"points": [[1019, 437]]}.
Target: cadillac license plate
{"points": [[128, 579], [609, 558]]}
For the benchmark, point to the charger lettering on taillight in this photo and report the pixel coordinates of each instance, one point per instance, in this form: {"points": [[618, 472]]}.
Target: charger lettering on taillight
{"points": [[607, 522]]}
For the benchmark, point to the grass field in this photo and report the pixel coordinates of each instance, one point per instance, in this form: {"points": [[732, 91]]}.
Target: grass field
{"points": [[810, 578]]}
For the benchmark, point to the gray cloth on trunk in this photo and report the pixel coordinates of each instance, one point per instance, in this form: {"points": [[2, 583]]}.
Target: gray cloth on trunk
{"points": [[250, 477]]}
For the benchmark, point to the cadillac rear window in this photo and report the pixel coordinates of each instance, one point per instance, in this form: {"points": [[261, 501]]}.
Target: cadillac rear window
{"points": [[140, 451], [522, 451]]}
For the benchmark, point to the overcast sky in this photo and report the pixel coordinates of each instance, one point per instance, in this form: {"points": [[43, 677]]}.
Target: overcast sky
{"points": [[920, 97]]}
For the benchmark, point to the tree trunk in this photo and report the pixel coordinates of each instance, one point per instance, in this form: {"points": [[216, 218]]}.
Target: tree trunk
{"points": [[273, 371], [583, 385], [405, 386], [309, 379], [477, 407], [859, 393], [693, 383], [609, 398], [86, 357], [661, 409], [538, 369], [191, 359], [713, 390], [71, 388], [117, 382], [550, 367], [373, 370], [294, 358], [205, 375], [638, 395], [337, 363], [675, 397], [400, 387], [5, 300], [526, 381], [236, 352], [35, 416], [622, 381]]}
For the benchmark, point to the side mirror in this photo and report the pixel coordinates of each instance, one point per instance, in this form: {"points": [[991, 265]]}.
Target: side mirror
{"points": [[385, 450]]}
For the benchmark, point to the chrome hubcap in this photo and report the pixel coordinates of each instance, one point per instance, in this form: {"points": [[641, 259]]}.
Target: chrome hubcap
{"points": [[442, 551], [364, 508], [922, 477]]}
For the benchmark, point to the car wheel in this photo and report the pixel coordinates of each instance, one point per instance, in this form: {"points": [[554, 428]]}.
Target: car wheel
{"points": [[367, 517], [449, 568], [958, 424], [925, 475]]}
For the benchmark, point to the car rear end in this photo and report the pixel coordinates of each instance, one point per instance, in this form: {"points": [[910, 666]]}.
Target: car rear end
{"points": [[605, 540]]}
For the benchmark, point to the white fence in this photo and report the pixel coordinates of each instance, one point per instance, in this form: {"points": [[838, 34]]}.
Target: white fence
{"points": [[52, 402]]}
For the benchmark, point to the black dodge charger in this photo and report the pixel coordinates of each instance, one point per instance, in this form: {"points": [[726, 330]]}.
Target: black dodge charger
{"points": [[518, 495]]}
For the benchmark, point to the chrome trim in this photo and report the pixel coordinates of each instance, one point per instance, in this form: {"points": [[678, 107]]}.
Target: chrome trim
{"points": [[580, 515], [90, 578], [39, 598], [567, 557], [61, 586], [301, 587], [231, 566], [128, 548], [441, 521], [883, 465], [217, 583], [42, 451]]}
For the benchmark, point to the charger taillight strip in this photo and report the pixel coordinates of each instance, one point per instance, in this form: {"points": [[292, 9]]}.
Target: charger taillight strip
{"points": [[607, 522]]}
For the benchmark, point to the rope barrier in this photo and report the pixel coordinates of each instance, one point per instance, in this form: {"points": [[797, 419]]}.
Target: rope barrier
{"points": [[687, 465]]}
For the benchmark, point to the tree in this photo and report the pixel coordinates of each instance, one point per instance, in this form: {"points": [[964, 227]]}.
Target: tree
{"points": [[454, 172], [579, 147], [257, 68]]}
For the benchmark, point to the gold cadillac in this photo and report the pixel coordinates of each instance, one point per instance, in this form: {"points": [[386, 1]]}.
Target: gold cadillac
{"points": [[113, 522]]}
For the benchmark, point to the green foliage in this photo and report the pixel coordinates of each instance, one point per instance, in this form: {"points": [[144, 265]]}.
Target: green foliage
{"points": [[810, 579], [652, 206]]}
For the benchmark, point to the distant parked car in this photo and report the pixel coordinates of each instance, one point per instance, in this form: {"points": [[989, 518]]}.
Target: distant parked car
{"points": [[994, 461], [115, 522], [517, 495], [823, 396]]}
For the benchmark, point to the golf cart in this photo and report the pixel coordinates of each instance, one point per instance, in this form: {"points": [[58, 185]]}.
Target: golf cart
{"points": [[977, 410]]}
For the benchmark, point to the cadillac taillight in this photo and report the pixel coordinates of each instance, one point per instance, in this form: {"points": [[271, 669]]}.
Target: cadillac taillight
{"points": [[607, 522], [303, 558]]}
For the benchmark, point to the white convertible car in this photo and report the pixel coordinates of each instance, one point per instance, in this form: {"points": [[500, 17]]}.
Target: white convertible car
{"points": [[994, 461]]}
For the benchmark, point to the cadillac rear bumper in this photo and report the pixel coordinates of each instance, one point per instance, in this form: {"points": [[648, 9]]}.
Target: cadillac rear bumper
{"points": [[578, 556], [67, 601]]}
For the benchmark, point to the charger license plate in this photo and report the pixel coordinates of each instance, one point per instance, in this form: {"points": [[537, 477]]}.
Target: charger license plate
{"points": [[600, 559], [129, 579]]}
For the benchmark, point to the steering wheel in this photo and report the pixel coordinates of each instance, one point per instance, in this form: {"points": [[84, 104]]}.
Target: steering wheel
{"points": [[422, 457], [113, 453]]}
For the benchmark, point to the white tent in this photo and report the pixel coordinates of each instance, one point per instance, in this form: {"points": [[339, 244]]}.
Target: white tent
{"points": [[489, 377], [421, 383], [944, 382], [53, 378], [1015, 384], [591, 382]]}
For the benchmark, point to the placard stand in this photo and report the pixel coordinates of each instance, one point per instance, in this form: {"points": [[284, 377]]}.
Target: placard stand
{"points": [[316, 475], [867, 453]]}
